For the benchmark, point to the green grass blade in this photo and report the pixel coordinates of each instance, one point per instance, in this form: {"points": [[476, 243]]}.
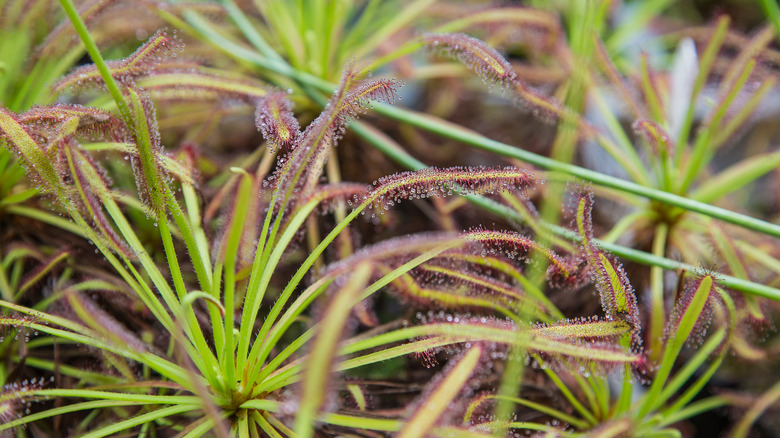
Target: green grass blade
{"points": [[678, 337], [141, 419], [325, 346], [770, 397], [443, 394], [75, 407], [736, 176]]}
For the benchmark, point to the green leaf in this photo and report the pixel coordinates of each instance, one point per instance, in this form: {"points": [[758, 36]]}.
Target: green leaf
{"points": [[443, 393], [318, 366], [736, 176], [39, 166], [681, 323], [148, 417]]}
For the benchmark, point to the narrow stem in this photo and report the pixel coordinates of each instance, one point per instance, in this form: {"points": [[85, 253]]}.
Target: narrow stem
{"points": [[511, 383], [657, 316], [234, 234], [623, 403], [199, 259], [262, 270], [704, 147], [386, 146], [239, 52], [763, 403], [695, 409], [161, 197], [590, 394], [636, 255], [255, 290], [573, 400], [97, 58], [623, 151], [773, 13], [456, 132], [249, 31]]}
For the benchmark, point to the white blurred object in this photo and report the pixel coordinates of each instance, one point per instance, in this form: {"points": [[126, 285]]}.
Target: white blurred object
{"points": [[685, 68]]}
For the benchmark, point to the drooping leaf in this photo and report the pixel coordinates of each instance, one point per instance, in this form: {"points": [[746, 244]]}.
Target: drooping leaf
{"points": [[275, 120], [48, 121], [456, 298], [391, 252], [461, 279], [475, 54], [21, 143], [299, 171], [93, 191], [584, 342], [517, 246], [389, 190], [617, 294], [493, 68], [183, 82], [126, 71], [436, 401]]}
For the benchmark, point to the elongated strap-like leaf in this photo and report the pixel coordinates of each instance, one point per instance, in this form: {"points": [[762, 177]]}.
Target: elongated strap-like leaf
{"points": [[126, 70], [583, 329], [199, 84], [541, 340], [142, 419], [617, 293], [449, 298], [39, 166], [442, 394], [169, 164], [683, 319], [324, 350]]}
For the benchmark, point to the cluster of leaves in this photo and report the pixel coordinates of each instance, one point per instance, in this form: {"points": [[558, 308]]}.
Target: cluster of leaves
{"points": [[675, 155], [214, 343], [240, 373]]}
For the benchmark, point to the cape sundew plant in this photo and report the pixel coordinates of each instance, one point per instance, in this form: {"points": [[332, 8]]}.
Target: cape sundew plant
{"points": [[240, 301], [235, 366]]}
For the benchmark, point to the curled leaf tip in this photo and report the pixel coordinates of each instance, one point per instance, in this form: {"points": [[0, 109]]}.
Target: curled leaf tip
{"points": [[475, 54], [275, 120], [125, 71], [447, 181]]}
